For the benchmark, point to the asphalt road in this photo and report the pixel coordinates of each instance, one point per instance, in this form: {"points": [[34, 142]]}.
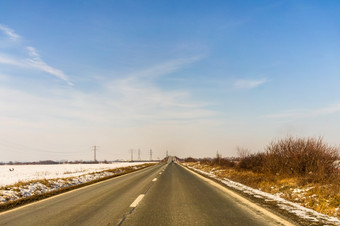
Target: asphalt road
{"points": [[164, 194]]}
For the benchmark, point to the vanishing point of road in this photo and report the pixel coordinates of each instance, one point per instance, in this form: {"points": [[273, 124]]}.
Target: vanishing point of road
{"points": [[164, 194]]}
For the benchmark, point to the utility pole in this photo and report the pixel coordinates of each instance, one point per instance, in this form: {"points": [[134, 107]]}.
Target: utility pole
{"points": [[139, 154], [150, 154], [95, 152], [167, 153]]}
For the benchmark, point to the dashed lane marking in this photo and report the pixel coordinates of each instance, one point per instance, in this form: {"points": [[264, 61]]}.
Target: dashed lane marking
{"points": [[138, 199], [154, 179]]}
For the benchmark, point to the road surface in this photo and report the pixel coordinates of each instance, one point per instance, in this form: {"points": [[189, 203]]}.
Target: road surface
{"points": [[165, 194]]}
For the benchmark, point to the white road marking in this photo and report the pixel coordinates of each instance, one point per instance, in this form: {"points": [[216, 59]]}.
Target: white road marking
{"points": [[138, 199], [154, 179], [160, 173]]}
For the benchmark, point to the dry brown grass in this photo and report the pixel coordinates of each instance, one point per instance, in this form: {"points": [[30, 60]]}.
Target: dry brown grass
{"points": [[324, 198]]}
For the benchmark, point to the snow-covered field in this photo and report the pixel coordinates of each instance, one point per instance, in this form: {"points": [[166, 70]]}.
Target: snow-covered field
{"points": [[52, 177], [291, 207], [26, 173]]}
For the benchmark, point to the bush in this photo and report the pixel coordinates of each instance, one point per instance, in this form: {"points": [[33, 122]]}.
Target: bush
{"points": [[223, 162], [206, 161], [190, 159], [218, 161], [253, 162], [300, 157]]}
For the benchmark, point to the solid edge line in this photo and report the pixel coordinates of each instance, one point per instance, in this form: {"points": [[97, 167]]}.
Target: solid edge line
{"points": [[245, 201], [138, 199], [74, 190]]}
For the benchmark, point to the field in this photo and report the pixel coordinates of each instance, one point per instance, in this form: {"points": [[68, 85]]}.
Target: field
{"points": [[20, 184], [25, 173]]}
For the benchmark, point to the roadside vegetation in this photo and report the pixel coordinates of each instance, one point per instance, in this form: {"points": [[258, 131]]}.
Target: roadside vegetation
{"points": [[302, 170]]}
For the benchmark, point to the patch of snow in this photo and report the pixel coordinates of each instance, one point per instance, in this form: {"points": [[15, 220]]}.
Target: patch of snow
{"points": [[301, 190], [336, 164]]}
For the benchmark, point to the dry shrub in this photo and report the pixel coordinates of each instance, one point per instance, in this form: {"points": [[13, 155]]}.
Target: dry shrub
{"points": [[303, 157], [308, 158], [190, 159], [218, 161], [206, 161], [242, 152], [253, 162], [223, 162]]}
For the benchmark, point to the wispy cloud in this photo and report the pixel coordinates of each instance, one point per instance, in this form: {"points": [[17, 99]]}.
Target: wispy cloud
{"points": [[36, 62], [9, 32], [33, 60], [248, 83], [134, 100], [4, 59], [141, 97], [306, 113], [165, 67]]}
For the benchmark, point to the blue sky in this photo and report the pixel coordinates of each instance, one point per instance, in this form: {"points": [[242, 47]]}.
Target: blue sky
{"points": [[191, 77]]}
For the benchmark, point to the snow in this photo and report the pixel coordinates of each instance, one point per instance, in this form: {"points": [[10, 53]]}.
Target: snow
{"points": [[337, 164], [26, 173], [55, 176], [291, 207]]}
